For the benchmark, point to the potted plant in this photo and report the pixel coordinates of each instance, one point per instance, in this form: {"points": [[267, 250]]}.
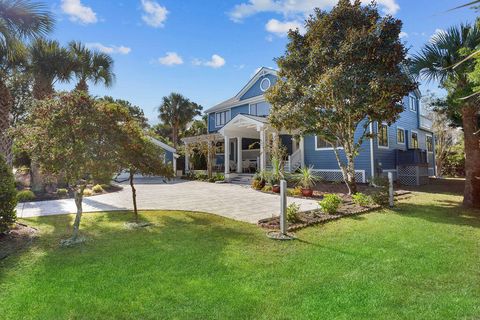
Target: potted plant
{"points": [[306, 180]]}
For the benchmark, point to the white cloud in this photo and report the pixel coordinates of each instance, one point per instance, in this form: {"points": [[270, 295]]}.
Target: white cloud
{"points": [[281, 28], [403, 35], [79, 12], [155, 15], [170, 59], [290, 8], [215, 62], [109, 49]]}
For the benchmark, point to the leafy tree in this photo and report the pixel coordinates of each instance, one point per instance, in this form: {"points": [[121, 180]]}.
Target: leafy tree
{"points": [[177, 111], [8, 196], [49, 63], [163, 132], [90, 65], [19, 84], [437, 61], [68, 135], [197, 127], [135, 111], [20, 21], [343, 74]]}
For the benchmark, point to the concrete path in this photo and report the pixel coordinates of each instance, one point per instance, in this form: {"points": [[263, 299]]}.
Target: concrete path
{"points": [[232, 201]]}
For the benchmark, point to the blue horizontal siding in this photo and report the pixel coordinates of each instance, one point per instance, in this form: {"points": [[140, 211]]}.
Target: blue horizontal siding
{"points": [[255, 89]]}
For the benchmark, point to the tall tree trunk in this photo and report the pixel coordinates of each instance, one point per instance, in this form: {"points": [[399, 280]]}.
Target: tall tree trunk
{"points": [[348, 170], [471, 194], [175, 135], [6, 104], [82, 86], [78, 202], [134, 195], [42, 88]]}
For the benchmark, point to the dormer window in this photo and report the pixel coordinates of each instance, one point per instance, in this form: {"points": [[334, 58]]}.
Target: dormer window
{"points": [[265, 84]]}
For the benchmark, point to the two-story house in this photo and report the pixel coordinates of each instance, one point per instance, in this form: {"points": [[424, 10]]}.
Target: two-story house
{"points": [[242, 122]]}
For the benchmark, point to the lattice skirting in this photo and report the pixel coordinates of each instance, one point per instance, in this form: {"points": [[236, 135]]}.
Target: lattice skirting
{"points": [[336, 175], [413, 175], [385, 174]]}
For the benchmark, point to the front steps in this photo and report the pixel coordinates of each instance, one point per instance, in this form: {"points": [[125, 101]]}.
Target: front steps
{"points": [[242, 178]]}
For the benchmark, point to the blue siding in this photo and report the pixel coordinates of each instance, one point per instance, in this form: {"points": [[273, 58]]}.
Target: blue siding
{"points": [[211, 122], [255, 89], [325, 159], [239, 109]]}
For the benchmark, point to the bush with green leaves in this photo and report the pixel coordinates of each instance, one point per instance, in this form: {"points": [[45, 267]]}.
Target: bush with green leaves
{"points": [[292, 212], [62, 192], [97, 188], [201, 176], [87, 192], [267, 188], [258, 184], [362, 199], [25, 196], [8, 196], [330, 203], [380, 196], [295, 192]]}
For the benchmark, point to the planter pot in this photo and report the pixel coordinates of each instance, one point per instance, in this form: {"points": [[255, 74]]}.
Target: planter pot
{"points": [[276, 188], [307, 192]]}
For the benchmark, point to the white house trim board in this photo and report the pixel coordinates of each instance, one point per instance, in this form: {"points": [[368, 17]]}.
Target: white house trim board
{"points": [[162, 145], [262, 72], [326, 148]]}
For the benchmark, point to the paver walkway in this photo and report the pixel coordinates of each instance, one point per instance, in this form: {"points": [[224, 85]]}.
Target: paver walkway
{"points": [[228, 200]]}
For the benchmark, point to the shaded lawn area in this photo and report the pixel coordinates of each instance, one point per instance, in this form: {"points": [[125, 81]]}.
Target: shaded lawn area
{"points": [[419, 261]]}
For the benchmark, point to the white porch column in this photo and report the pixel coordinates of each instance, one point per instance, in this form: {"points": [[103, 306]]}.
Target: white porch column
{"points": [[174, 163], [187, 165], [263, 156], [239, 155], [227, 156], [302, 152]]}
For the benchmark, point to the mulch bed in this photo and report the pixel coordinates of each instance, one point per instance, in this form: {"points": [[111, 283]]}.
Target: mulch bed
{"points": [[18, 238], [308, 218], [53, 196]]}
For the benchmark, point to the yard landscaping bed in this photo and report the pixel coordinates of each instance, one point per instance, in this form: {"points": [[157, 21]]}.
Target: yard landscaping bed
{"points": [[19, 237]]}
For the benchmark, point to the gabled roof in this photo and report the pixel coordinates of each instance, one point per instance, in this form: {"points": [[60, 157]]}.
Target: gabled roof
{"points": [[236, 99], [162, 145]]}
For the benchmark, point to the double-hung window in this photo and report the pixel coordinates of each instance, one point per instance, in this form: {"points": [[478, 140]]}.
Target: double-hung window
{"points": [[413, 103], [221, 118], [400, 136], [321, 144], [429, 143], [383, 135], [414, 142]]}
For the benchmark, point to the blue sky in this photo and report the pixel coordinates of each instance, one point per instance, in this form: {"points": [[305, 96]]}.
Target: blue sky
{"points": [[207, 50]]}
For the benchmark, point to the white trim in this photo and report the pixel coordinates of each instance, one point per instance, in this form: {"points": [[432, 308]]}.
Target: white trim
{"points": [[227, 118], [396, 135], [411, 139], [388, 138], [269, 84], [326, 148], [162, 145], [372, 162], [389, 170]]}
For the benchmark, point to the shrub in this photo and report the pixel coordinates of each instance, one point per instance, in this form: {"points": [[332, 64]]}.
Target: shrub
{"points": [[297, 191], [219, 177], [330, 203], [379, 182], [62, 192], [306, 179], [381, 196], [97, 188], [292, 212], [361, 199], [87, 192], [105, 186], [25, 196], [201, 176], [8, 196], [257, 184], [267, 188]]}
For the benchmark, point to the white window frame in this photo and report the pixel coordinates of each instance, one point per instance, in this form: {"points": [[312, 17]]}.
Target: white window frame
{"points": [[396, 133], [410, 104], [227, 118], [411, 139], [269, 84], [256, 103], [388, 138], [426, 143], [326, 148]]}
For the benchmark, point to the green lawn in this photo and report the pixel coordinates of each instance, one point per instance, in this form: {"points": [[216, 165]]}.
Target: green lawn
{"points": [[420, 261]]}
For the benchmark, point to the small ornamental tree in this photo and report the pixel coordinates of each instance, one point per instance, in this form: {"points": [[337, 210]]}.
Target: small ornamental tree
{"points": [[67, 135], [8, 193], [343, 74], [135, 151]]}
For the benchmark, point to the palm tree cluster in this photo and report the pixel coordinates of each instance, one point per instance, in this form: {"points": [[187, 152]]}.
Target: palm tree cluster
{"points": [[24, 48]]}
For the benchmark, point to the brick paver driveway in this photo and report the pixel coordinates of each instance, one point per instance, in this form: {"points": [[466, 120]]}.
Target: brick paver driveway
{"points": [[228, 200]]}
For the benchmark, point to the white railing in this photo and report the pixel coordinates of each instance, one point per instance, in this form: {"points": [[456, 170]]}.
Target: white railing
{"points": [[294, 161]]}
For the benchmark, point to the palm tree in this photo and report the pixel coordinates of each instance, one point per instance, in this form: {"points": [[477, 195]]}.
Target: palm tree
{"points": [[435, 63], [91, 66], [49, 63], [177, 111], [20, 21]]}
